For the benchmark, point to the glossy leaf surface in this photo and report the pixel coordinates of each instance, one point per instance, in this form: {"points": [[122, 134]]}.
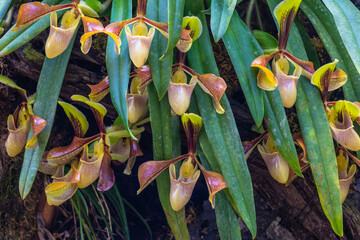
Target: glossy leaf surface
{"points": [[118, 66], [222, 132], [48, 90], [221, 13]]}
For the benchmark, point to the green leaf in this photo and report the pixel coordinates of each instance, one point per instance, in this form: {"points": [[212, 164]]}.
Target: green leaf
{"points": [[268, 43], [175, 16], [13, 40], [280, 130], [94, 4], [118, 66], [12, 84], [165, 129], [239, 49], [47, 93], [226, 219], [222, 132], [221, 13], [347, 19], [319, 143], [317, 137], [161, 126], [324, 24], [4, 7], [160, 70]]}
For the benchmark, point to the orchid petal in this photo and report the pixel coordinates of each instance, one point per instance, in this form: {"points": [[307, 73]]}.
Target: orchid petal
{"points": [[59, 38], [144, 74], [279, 169], [337, 80], [89, 169], [214, 86], [62, 189], [106, 175], [192, 124], [322, 76], [31, 12], [179, 95], [285, 13], [63, 155], [91, 27], [45, 167], [77, 119], [38, 124], [135, 151], [100, 90], [287, 85], [346, 137], [17, 136], [215, 182], [265, 78], [306, 66], [136, 105], [139, 46], [181, 191], [192, 23], [345, 183], [149, 170]]}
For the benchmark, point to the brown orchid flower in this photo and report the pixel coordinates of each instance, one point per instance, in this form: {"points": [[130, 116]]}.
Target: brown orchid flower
{"points": [[181, 188]]}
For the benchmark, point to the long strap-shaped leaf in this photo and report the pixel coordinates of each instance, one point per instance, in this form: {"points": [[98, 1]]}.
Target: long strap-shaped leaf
{"points": [[165, 135], [118, 66], [318, 140], [160, 117], [347, 19], [280, 130], [13, 40], [221, 12], [160, 70], [222, 132], [236, 40], [324, 24], [226, 219], [4, 7], [47, 94], [175, 16]]}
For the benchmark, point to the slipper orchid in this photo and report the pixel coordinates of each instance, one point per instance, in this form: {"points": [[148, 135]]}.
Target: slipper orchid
{"points": [[341, 117], [266, 79], [136, 100], [139, 38], [279, 169], [19, 123], [345, 176], [182, 187], [59, 37]]}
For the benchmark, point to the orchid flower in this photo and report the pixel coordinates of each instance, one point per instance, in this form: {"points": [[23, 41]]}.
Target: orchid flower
{"points": [[181, 188], [139, 38], [59, 37], [179, 91], [285, 13], [279, 169], [341, 117], [345, 176], [19, 123]]}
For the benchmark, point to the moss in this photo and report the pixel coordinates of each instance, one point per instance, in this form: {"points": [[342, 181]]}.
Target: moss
{"points": [[17, 216], [32, 55]]}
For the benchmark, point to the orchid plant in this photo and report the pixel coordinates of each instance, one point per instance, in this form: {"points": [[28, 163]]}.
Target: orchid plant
{"points": [[162, 92]]}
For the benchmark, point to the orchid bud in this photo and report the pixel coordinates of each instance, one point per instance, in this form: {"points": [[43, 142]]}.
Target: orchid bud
{"points": [[18, 133]]}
